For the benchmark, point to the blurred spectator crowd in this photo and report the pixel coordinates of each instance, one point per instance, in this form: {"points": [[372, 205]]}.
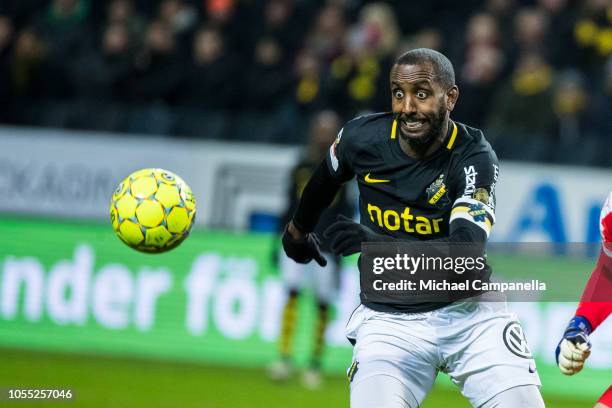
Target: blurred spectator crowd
{"points": [[535, 75]]}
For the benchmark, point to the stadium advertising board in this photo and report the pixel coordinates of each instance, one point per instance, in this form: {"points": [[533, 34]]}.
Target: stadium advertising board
{"points": [[76, 288], [73, 175]]}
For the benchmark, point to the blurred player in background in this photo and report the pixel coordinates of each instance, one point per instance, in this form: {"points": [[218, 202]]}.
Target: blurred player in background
{"points": [[421, 176], [322, 280], [595, 306]]}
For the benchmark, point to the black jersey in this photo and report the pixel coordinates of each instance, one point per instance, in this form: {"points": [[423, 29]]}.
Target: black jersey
{"points": [[412, 199]]}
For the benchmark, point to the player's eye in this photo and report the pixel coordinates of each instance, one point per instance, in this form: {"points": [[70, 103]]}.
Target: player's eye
{"points": [[398, 93], [421, 94]]}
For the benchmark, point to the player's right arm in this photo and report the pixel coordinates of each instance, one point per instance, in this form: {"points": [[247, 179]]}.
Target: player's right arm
{"points": [[595, 305], [299, 241]]}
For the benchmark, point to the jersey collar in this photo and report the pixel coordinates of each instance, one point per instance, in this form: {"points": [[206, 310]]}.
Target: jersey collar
{"points": [[453, 137], [451, 140]]}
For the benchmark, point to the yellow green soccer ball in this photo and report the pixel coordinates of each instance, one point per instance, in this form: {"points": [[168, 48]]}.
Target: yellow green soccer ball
{"points": [[152, 210]]}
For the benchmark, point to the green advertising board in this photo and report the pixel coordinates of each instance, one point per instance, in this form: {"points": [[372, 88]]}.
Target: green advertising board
{"points": [[74, 287]]}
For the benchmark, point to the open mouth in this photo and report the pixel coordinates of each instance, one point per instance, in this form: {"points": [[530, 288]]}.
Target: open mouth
{"points": [[413, 125]]}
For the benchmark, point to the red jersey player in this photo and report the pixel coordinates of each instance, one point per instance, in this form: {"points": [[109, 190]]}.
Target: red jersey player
{"points": [[595, 306]]}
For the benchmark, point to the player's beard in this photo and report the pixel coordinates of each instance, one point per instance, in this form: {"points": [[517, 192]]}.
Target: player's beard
{"points": [[422, 143]]}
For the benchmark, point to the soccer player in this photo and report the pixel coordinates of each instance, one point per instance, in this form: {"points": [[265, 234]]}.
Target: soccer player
{"points": [[595, 306], [421, 176], [323, 280]]}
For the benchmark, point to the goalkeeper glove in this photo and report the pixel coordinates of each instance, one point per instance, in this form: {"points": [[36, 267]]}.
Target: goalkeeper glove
{"points": [[575, 347], [346, 236], [303, 249]]}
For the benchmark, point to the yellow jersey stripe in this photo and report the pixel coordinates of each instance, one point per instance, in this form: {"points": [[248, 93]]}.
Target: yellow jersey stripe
{"points": [[393, 129], [451, 142], [459, 208]]}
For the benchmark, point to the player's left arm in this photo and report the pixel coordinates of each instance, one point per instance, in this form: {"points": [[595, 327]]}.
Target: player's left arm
{"points": [[473, 190], [596, 302], [472, 215]]}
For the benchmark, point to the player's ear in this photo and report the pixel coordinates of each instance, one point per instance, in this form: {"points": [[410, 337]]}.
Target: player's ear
{"points": [[451, 98]]}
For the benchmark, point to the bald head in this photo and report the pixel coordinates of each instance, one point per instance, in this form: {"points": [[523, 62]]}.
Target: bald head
{"points": [[443, 70]]}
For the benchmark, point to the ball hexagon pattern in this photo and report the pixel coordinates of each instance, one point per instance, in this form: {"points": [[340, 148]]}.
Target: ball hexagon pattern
{"points": [[152, 210]]}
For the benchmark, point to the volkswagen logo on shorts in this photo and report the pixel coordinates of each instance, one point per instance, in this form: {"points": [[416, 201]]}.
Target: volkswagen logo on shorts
{"points": [[515, 340]]}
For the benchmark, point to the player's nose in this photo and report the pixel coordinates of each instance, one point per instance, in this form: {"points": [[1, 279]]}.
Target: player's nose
{"points": [[408, 106]]}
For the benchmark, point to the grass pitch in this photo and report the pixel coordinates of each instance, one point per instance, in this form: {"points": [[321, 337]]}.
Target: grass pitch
{"points": [[99, 381]]}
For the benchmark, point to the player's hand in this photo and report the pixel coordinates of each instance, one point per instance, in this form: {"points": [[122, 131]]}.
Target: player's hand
{"points": [[346, 236], [303, 249], [574, 348]]}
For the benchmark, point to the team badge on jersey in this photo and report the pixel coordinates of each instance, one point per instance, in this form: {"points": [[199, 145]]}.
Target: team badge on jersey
{"points": [[437, 195], [482, 195]]}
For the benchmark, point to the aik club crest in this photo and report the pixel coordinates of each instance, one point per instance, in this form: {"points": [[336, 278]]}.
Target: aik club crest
{"points": [[437, 195]]}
